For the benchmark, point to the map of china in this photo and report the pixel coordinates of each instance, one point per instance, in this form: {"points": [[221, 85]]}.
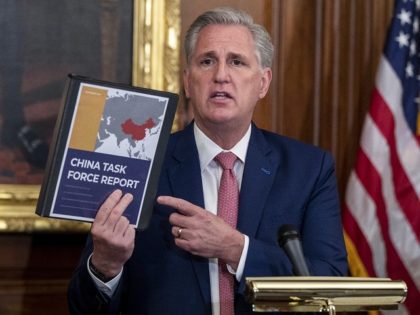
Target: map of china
{"points": [[137, 132], [127, 123]]}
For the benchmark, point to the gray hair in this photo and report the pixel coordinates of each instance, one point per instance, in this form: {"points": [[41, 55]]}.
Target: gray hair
{"points": [[229, 16]]}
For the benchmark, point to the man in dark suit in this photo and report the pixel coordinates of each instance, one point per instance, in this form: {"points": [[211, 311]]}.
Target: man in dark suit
{"points": [[190, 248]]}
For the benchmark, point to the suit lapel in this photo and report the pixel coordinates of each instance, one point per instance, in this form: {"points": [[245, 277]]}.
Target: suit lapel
{"points": [[185, 178], [259, 173]]}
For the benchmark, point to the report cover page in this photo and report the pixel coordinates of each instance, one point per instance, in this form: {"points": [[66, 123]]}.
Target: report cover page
{"points": [[109, 137]]}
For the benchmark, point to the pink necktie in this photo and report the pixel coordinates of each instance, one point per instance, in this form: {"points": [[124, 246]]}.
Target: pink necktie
{"points": [[227, 209]]}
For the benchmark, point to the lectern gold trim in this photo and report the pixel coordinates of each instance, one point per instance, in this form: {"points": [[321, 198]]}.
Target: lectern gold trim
{"points": [[326, 294]]}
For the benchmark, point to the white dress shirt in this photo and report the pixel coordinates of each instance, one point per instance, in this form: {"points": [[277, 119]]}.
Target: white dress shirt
{"points": [[211, 173]]}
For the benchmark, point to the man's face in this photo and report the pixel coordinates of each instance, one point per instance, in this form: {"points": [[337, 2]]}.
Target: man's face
{"points": [[224, 80]]}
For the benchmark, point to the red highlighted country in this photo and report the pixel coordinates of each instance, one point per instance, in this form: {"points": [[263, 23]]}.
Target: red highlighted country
{"points": [[137, 132]]}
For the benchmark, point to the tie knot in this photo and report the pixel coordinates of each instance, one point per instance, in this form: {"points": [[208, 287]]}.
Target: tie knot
{"points": [[226, 160]]}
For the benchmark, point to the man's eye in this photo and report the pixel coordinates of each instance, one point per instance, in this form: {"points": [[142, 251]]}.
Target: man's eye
{"points": [[236, 62], [206, 62]]}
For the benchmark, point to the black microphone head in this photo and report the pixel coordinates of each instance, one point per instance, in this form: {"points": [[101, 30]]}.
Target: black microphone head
{"points": [[288, 239], [285, 233]]}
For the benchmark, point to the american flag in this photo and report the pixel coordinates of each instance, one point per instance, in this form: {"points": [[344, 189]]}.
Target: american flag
{"points": [[382, 203]]}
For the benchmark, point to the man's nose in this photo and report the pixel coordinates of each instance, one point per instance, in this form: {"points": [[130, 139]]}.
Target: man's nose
{"points": [[221, 74]]}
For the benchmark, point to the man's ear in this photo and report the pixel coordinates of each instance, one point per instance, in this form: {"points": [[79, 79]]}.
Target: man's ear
{"points": [[266, 77], [185, 77]]}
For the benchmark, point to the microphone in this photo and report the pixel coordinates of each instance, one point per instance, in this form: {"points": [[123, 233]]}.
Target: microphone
{"points": [[288, 239]]}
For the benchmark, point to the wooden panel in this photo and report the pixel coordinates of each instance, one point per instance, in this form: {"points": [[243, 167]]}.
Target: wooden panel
{"points": [[35, 270], [296, 72], [328, 52], [33, 297]]}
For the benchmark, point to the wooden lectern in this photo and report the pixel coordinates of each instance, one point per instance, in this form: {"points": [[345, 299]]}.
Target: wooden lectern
{"points": [[324, 294]]}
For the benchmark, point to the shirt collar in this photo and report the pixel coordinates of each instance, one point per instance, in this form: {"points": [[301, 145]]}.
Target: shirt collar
{"points": [[207, 149]]}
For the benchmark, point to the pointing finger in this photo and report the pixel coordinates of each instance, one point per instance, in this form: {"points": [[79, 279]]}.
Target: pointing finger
{"points": [[182, 206]]}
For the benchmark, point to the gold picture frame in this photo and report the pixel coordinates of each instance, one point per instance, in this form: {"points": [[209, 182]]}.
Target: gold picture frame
{"points": [[155, 64]]}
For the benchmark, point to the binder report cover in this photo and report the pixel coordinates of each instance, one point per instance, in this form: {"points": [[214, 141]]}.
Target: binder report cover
{"points": [[108, 136]]}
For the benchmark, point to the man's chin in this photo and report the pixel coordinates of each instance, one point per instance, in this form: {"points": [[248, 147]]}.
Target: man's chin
{"points": [[222, 120], [222, 116]]}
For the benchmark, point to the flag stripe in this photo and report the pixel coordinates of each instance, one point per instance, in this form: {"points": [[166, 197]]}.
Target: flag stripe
{"points": [[364, 203], [364, 213], [368, 174], [389, 87], [395, 267], [379, 177], [405, 194], [358, 238], [375, 202]]}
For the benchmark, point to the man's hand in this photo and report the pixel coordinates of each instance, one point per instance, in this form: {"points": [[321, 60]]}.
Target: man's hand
{"points": [[112, 235], [202, 233]]}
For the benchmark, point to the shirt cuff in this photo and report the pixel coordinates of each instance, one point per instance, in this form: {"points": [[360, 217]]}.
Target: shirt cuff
{"points": [[107, 288], [240, 270]]}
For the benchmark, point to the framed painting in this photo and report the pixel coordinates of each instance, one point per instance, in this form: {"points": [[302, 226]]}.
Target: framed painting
{"points": [[127, 41]]}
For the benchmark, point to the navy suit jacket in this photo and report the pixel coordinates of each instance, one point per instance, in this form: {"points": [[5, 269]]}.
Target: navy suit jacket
{"points": [[284, 181]]}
